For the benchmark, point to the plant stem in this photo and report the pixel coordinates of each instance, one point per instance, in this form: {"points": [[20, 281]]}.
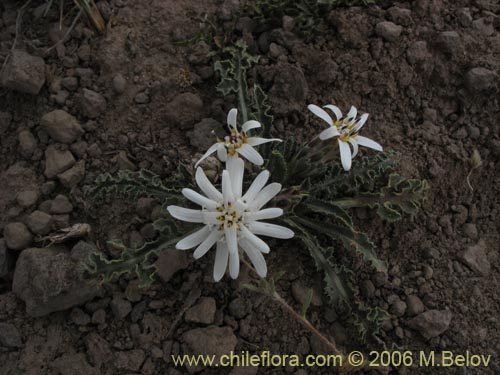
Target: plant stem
{"points": [[241, 94]]}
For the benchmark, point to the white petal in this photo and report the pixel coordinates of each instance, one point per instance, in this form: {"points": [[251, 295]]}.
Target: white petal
{"points": [[352, 113], [234, 265], [255, 257], [268, 213], [202, 249], [270, 230], [345, 155], [206, 186], [199, 199], [367, 142], [194, 239], [336, 110], [227, 190], [256, 186], [321, 113], [266, 194], [361, 122], [232, 117], [331, 132], [221, 152], [255, 241], [211, 218], [231, 238], [236, 169], [209, 152], [255, 141], [250, 154], [251, 124], [221, 258], [355, 147], [186, 214]]}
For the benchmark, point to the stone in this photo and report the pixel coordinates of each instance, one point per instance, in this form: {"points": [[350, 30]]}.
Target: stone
{"points": [[57, 161], [17, 236], [388, 30], [120, 307], [300, 292], [184, 111], [79, 317], [24, 73], [92, 104], [401, 16], [449, 42], [6, 259], [431, 323], [70, 83], [39, 222], [417, 52], [119, 84], [203, 312], [61, 126], [470, 230], [142, 98], [475, 257], [210, 341], [398, 308], [27, 143], [28, 198], [73, 176], [239, 307], [169, 262], [415, 305], [98, 349], [73, 364], [480, 79], [48, 280], [288, 23], [289, 90], [10, 336], [129, 360], [61, 205], [205, 134], [464, 17]]}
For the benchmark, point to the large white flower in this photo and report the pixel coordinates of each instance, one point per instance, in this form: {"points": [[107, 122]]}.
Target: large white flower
{"points": [[238, 142], [231, 220], [346, 129]]}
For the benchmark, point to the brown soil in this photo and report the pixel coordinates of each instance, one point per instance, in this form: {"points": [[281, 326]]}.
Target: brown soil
{"points": [[427, 101]]}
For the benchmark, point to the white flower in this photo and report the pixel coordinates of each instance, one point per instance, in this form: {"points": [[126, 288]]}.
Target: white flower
{"points": [[346, 129], [231, 220], [238, 142]]}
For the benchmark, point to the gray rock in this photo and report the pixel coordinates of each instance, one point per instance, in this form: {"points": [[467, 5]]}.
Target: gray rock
{"points": [[205, 133], [27, 143], [17, 236], [449, 42], [73, 176], [239, 307], [73, 364], [169, 262], [120, 307], [61, 126], [184, 110], [48, 280], [98, 349], [24, 73], [431, 323], [203, 312], [484, 25], [476, 258], [61, 205], [401, 16], [79, 317], [142, 98], [417, 52], [39, 222], [28, 198], [119, 84], [70, 83], [6, 259], [92, 104], [470, 230], [288, 23], [480, 79], [131, 360], [388, 30], [57, 161], [415, 306], [289, 90], [81, 251], [209, 341], [464, 17], [398, 308], [10, 336]]}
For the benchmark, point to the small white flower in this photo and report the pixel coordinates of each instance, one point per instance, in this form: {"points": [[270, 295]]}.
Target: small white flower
{"points": [[238, 142], [346, 129], [231, 220]]}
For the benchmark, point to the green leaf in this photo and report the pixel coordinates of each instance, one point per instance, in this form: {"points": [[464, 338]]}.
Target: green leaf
{"points": [[277, 166], [327, 208], [307, 303]]}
